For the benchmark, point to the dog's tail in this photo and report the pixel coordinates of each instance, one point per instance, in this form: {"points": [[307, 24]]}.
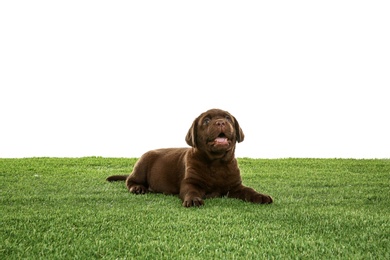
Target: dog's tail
{"points": [[117, 178]]}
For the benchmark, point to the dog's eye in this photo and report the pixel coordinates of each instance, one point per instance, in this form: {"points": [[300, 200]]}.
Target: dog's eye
{"points": [[228, 118], [206, 121]]}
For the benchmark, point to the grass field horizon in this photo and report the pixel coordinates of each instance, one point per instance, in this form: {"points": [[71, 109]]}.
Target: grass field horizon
{"points": [[62, 208]]}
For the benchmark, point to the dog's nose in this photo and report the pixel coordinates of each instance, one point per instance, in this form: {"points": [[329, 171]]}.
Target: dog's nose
{"points": [[220, 122]]}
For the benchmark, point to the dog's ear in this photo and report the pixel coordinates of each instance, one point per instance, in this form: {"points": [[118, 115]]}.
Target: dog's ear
{"points": [[239, 132], [192, 134]]}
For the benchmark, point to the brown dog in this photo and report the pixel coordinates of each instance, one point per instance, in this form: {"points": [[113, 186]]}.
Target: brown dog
{"points": [[208, 169]]}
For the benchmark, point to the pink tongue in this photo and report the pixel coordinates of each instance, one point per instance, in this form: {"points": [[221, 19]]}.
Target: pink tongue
{"points": [[221, 140]]}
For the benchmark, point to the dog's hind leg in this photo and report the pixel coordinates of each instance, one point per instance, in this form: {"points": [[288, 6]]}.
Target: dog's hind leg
{"points": [[137, 182]]}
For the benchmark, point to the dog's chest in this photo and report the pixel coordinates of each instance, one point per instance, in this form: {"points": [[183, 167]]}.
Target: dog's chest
{"points": [[222, 176], [219, 170]]}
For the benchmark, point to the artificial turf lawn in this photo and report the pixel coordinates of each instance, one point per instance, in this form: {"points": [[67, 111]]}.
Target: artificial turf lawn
{"points": [[62, 208]]}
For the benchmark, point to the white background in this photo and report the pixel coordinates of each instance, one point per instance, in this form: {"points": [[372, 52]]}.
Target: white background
{"points": [[118, 78]]}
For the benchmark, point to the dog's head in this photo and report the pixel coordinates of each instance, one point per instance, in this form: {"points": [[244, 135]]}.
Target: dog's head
{"points": [[215, 132]]}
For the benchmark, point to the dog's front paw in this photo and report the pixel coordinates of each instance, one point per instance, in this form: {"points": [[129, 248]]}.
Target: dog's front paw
{"points": [[193, 202], [262, 199]]}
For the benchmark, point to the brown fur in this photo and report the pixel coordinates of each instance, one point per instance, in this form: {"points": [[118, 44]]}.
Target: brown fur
{"points": [[208, 169]]}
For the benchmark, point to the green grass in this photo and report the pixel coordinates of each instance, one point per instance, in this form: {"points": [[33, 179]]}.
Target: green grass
{"points": [[62, 208]]}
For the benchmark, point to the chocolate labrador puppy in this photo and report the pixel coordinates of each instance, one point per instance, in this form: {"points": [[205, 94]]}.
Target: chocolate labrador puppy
{"points": [[206, 170]]}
